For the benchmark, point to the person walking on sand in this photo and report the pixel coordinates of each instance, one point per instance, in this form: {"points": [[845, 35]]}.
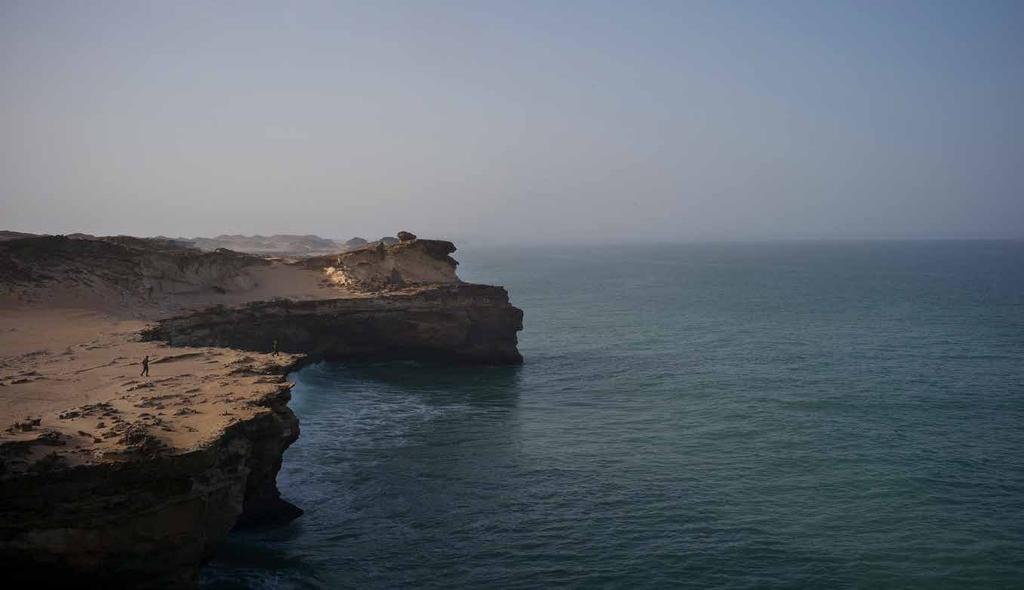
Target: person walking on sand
{"points": [[145, 367]]}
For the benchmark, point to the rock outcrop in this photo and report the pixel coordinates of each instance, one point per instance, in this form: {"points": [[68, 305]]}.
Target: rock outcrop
{"points": [[379, 267], [149, 515], [457, 322]]}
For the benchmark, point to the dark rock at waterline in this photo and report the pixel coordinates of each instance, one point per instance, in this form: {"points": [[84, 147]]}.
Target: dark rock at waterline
{"points": [[460, 322], [150, 522]]}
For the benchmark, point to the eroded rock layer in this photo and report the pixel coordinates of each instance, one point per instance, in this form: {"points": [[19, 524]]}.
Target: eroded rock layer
{"points": [[149, 516], [459, 322]]}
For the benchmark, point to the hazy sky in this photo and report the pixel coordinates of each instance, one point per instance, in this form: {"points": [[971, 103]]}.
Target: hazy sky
{"points": [[551, 121]]}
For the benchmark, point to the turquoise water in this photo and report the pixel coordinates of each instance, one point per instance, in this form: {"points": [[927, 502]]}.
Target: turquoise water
{"points": [[821, 415]]}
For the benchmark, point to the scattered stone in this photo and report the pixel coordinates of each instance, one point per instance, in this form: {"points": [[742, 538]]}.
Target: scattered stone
{"points": [[138, 438], [51, 438], [27, 426]]}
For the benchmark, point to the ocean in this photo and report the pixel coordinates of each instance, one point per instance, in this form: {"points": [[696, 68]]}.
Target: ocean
{"points": [[745, 415]]}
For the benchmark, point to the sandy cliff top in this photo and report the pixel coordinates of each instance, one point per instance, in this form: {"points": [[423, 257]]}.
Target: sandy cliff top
{"points": [[72, 308]]}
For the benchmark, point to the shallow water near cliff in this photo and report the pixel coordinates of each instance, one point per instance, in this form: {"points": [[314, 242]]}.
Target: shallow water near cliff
{"points": [[707, 415]]}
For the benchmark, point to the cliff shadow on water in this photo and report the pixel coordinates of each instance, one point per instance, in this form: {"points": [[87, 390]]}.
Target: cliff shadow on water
{"points": [[443, 382], [366, 455]]}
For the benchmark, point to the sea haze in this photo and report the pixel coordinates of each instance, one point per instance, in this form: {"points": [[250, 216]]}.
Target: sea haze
{"points": [[731, 415]]}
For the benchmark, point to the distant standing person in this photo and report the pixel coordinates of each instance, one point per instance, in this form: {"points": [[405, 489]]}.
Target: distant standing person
{"points": [[145, 367], [275, 347]]}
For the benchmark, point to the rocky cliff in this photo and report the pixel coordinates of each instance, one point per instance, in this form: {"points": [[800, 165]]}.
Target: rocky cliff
{"points": [[138, 510], [457, 322], [379, 267], [109, 478]]}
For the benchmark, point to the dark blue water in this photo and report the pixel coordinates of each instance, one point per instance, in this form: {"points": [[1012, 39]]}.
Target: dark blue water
{"points": [[820, 415]]}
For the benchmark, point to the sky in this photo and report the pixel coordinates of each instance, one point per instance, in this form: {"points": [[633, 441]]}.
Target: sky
{"points": [[550, 122]]}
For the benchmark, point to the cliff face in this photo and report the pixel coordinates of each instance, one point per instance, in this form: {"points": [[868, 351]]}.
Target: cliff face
{"points": [[148, 522], [459, 322], [109, 478]]}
